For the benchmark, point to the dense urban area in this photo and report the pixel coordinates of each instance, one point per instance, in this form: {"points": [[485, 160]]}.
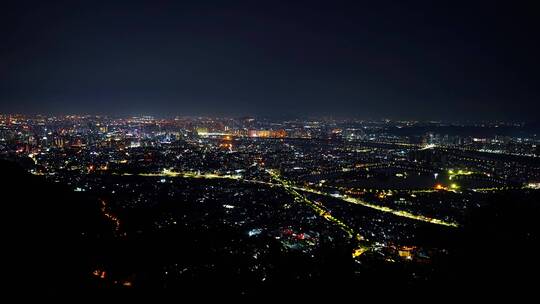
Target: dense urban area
{"points": [[265, 202]]}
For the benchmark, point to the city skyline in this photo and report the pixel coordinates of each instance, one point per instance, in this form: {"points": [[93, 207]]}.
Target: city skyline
{"points": [[297, 117], [179, 204]]}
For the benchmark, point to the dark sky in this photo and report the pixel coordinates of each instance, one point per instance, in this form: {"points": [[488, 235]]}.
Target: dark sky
{"points": [[396, 59]]}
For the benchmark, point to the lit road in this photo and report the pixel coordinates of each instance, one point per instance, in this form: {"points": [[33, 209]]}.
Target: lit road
{"points": [[289, 186], [168, 173], [320, 210], [356, 201], [292, 190], [400, 213], [280, 182]]}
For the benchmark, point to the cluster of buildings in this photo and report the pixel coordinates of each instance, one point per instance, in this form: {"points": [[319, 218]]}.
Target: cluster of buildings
{"points": [[343, 182]]}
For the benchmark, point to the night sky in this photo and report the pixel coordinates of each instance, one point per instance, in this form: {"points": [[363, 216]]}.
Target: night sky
{"points": [[381, 59]]}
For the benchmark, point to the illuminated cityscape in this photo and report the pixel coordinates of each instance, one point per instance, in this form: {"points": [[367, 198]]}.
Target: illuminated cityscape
{"points": [[269, 150], [368, 191]]}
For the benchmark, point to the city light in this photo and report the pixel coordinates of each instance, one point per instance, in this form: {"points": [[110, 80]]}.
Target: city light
{"points": [[303, 189]]}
